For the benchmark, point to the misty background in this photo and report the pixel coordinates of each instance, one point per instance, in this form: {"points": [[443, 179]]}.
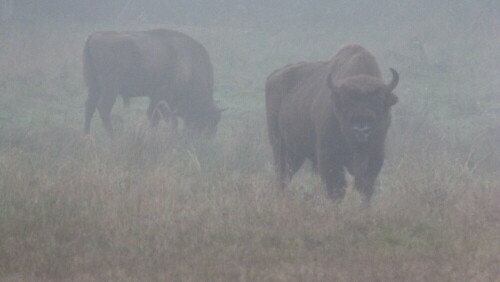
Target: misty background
{"points": [[148, 205], [446, 51]]}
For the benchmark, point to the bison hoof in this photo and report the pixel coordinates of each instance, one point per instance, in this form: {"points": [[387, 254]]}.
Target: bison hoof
{"points": [[336, 195], [365, 202]]}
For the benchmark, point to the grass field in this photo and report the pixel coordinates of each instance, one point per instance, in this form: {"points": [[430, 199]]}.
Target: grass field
{"points": [[149, 206]]}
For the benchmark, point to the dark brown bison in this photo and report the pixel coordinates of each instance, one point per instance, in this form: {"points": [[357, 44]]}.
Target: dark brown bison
{"points": [[162, 64], [334, 113]]}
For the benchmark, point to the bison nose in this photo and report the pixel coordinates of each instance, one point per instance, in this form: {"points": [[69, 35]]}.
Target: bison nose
{"points": [[364, 129], [361, 132]]}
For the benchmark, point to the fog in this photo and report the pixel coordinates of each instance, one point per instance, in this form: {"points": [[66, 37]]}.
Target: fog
{"points": [[157, 203]]}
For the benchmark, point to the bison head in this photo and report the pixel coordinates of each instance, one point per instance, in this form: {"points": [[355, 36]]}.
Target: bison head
{"points": [[205, 122], [362, 105]]}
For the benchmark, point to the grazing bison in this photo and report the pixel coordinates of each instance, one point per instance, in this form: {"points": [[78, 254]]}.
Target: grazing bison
{"points": [[334, 113], [162, 64]]}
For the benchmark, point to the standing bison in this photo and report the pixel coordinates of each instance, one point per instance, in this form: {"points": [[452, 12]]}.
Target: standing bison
{"points": [[162, 64], [334, 113]]}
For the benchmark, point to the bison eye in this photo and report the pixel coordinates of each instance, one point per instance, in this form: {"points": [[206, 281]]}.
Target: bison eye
{"points": [[378, 105]]}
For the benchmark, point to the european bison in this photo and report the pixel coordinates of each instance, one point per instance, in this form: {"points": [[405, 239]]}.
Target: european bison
{"points": [[334, 113], [162, 64]]}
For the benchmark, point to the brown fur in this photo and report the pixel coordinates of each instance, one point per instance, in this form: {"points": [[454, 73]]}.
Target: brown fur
{"points": [[323, 111], [161, 64]]}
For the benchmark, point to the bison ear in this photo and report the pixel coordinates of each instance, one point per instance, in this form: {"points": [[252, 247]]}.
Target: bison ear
{"points": [[390, 100]]}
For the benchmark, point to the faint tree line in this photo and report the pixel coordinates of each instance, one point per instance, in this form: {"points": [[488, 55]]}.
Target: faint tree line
{"points": [[248, 12]]}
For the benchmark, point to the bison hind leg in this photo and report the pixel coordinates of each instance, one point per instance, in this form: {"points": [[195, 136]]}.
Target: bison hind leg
{"points": [[90, 106], [104, 107], [288, 165]]}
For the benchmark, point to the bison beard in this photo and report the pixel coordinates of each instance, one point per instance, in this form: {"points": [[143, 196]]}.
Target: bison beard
{"points": [[167, 66], [334, 113]]}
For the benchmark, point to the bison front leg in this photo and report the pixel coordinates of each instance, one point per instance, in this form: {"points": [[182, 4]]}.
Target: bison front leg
{"points": [[331, 170], [333, 176], [364, 181], [153, 112], [161, 109], [365, 186]]}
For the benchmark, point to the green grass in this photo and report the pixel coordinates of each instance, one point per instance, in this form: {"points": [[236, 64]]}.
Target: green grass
{"points": [[151, 206]]}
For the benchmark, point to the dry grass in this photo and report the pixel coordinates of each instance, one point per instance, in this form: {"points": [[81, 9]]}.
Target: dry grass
{"points": [[146, 209]]}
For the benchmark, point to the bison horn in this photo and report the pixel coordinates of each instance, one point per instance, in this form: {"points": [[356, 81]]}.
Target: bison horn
{"points": [[394, 82]]}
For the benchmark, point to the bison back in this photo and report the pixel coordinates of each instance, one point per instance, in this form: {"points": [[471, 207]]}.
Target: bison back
{"points": [[353, 60]]}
